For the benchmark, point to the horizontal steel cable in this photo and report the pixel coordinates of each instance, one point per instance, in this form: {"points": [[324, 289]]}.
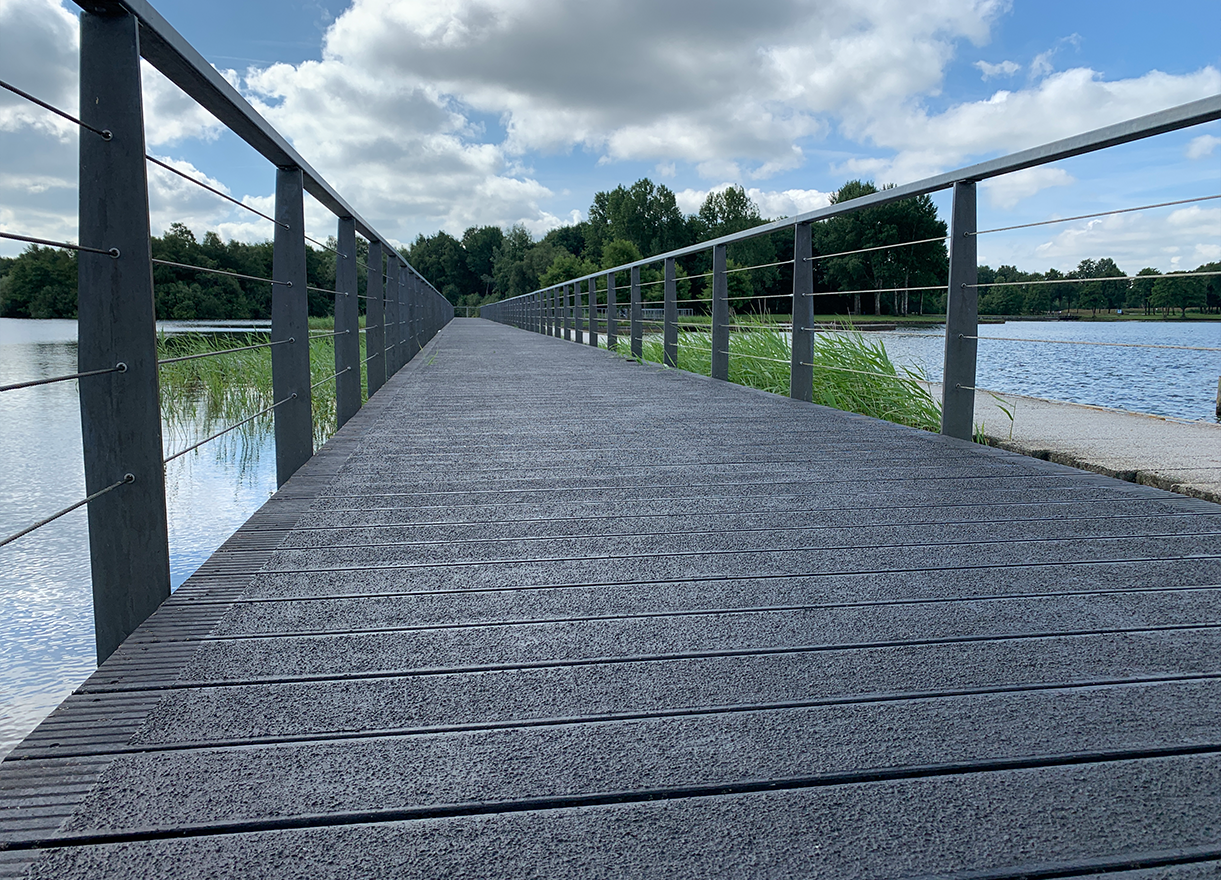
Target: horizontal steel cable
{"points": [[328, 335], [111, 252], [120, 367], [206, 354], [760, 266], [127, 478], [1088, 280], [877, 290], [233, 427], [1099, 214], [212, 189], [1084, 342], [331, 378], [322, 244], [326, 290], [220, 272], [371, 357], [102, 132], [868, 373], [881, 247], [754, 357]]}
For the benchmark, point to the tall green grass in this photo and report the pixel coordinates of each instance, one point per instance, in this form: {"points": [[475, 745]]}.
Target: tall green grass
{"points": [[207, 394], [851, 372]]}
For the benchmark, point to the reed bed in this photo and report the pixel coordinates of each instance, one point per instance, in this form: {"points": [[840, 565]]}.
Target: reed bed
{"points": [[205, 395], [851, 372]]}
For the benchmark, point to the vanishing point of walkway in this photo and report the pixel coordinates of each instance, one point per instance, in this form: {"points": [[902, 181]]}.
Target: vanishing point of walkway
{"points": [[538, 611]]}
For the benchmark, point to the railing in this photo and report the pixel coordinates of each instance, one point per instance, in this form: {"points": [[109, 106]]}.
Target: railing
{"points": [[118, 365], [558, 310]]}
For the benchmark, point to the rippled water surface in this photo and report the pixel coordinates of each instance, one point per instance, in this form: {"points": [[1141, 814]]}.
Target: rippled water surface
{"points": [[1164, 382], [46, 624]]}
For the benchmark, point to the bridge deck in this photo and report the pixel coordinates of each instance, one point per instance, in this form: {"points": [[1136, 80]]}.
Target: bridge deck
{"points": [[542, 612]]}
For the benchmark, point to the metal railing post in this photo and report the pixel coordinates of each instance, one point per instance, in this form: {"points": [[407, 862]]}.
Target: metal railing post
{"points": [[568, 312], [593, 312], [801, 374], [669, 328], [400, 335], [720, 314], [612, 314], [347, 323], [416, 315], [392, 313], [578, 321], [290, 376], [636, 328], [553, 312], [120, 412], [961, 318], [375, 322]]}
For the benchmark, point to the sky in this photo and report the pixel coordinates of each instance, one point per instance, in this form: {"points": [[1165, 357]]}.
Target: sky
{"points": [[443, 114]]}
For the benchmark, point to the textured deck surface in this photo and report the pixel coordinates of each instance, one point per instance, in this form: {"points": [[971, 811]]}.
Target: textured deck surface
{"points": [[538, 611]]}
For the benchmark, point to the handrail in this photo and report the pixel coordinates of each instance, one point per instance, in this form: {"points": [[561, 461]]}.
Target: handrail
{"points": [[1172, 119], [558, 311], [121, 415]]}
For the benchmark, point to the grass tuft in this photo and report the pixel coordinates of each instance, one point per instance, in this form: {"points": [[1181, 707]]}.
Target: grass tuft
{"points": [[851, 372]]}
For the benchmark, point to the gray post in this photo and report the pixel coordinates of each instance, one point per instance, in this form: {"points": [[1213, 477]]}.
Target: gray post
{"points": [[670, 319], [801, 374], [375, 326], [290, 378], [568, 312], [612, 314], [577, 320], [347, 322], [416, 307], [400, 336], [636, 328], [593, 312], [120, 412], [392, 313], [552, 312], [961, 318], [720, 315]]}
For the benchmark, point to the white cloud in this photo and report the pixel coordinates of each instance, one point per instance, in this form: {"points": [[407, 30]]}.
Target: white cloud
{"points": [[1203, 146], [772, 204], [1182, 239], [1007, 191], [1063, 104], [1005, 68]]}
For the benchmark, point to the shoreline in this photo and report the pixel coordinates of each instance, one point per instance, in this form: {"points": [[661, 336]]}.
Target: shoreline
{"points": [[1173, 454]]}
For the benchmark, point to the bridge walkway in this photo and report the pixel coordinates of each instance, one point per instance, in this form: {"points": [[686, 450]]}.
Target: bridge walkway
{"points": [[539, 611]]}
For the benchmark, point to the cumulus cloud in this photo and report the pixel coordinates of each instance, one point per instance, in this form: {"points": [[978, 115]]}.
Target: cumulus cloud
{"points": [[772, 204], [1181, 239], [990, 71], [434, 114], [1061, 105]]}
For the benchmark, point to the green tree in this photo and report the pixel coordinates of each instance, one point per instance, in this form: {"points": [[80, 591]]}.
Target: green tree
{"points": [[728, 211], [442, 259], [896, 268], [480, 244], [646, 214], [1141, 293], [41, 283]]}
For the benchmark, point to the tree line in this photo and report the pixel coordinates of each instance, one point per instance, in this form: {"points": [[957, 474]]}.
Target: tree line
{"points": [[856, 270]]}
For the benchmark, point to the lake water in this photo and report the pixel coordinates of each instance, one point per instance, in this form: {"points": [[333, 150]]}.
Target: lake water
{"points": [[46, 612], [46, 618]]}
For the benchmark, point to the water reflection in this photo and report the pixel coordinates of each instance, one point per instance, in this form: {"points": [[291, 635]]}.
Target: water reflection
{"points": [[46, 613]]}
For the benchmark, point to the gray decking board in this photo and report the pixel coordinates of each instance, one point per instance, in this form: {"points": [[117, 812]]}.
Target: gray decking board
{"points": [[539, 611]]}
